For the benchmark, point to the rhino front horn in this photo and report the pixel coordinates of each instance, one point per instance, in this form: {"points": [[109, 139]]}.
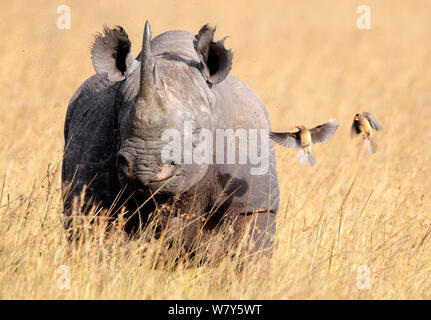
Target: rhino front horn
{"points": [[146, 87], [150, 111]]}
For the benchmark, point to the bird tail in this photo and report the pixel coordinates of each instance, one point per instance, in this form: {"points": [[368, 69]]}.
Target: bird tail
{"points": [[370, 144], [306, 158]]}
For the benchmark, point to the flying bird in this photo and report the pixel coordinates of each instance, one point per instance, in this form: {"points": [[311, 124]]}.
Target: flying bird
{"points": [[304, 138], [363, 124]]}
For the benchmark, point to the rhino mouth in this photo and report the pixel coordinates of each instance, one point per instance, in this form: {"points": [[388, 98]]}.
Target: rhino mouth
{"points": [[136, 177], [165, 172]]}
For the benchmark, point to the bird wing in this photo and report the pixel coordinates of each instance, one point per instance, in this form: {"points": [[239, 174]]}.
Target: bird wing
{"points": [[323, 132], [355, 129], [286, 139], [373, 122]]}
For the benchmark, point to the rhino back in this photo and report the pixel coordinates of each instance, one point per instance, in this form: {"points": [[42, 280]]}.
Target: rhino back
{"points": [[175, 42]]}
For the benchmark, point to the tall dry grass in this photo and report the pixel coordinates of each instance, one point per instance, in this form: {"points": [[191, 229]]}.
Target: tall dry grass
{"points": [[308, 62]]}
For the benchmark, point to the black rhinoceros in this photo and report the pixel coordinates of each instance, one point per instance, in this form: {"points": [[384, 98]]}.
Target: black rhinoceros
{"points": [[115, 134]]}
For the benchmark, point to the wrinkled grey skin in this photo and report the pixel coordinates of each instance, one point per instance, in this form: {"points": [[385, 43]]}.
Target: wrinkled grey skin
{"points": [[115, 119]]}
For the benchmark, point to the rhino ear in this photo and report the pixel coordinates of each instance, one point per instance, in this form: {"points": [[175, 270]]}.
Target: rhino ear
{"points": [[216, 60], [110, 53]]}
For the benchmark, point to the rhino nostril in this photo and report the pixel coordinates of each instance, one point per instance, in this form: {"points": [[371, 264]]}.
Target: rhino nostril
{"points": [[123, 165]]}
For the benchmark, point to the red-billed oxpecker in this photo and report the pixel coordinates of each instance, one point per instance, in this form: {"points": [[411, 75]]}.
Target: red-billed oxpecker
{"points": [[363, 124], [304, 138]]}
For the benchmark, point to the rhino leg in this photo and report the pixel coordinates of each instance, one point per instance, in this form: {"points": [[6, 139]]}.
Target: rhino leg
{"points": [[254, 232], [258, 229]]}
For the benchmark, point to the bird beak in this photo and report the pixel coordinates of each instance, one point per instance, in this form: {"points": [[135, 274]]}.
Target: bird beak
{"points": [[356, 118]]}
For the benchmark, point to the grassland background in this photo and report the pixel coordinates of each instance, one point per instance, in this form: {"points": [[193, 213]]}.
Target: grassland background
{"points": [[308, 62]]}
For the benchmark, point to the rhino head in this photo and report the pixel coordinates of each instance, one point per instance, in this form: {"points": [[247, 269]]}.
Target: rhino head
{"points": [[160, 92]]}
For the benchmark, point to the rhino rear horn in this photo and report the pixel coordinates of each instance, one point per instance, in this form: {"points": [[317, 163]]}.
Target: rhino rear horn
{"points": [[110, 53], [216, 60]]}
